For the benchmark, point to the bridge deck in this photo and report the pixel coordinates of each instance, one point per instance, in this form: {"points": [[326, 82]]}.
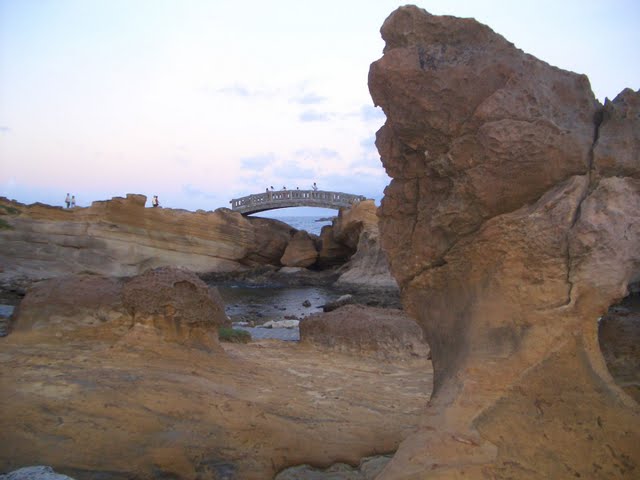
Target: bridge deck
{"points": [[272, 200]]}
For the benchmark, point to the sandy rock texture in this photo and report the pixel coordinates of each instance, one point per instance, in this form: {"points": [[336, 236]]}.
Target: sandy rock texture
{"points": [[355, 230], [121, 237], [94, 403], [382, 333], [300, 252], [170, 302], [512, 223]]}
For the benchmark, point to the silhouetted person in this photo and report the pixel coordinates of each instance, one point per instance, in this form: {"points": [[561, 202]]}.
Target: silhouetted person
{"points": [[155, 202], [315, 187], [73, 201], [67, 200]]}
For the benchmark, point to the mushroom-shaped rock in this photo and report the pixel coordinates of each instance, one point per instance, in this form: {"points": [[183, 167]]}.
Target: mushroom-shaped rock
{"points": [[178, 304]]}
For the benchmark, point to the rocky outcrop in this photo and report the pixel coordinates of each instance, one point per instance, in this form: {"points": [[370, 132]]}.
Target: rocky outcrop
{"points": [[94, 404], [511, 224], [353, 236], [300, 252], [120, 237], [175, 304], [382, 333]]}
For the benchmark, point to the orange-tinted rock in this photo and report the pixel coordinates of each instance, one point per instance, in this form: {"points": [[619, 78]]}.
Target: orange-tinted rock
{"points": [[331, 252], [70, 302], [383, 333], [179, 305], [351, 222], [509, 237], [300, 252], [120, 237]]}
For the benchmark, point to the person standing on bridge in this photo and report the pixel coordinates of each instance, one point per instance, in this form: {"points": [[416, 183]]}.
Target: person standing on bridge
{"points": [[315, 187]]}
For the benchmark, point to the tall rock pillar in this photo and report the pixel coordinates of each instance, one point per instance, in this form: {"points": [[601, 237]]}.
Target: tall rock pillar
{"points": [[511, 224]]}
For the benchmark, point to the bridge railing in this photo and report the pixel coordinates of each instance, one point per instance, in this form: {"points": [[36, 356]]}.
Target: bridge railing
{"points": [[275, 197]]}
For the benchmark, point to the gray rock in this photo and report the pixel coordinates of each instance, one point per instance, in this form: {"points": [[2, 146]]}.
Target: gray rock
{"points": [[34, 473], [339, 302]]}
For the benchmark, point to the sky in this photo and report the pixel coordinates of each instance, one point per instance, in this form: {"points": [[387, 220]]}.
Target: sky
{"points": [[200, 102]]}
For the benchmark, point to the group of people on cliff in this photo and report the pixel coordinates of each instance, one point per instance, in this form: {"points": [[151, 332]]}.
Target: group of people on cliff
{"points": [[70, 201]]}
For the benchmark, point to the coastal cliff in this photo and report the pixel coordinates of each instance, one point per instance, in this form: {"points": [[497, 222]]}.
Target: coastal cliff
{"points": [[120, 237]]}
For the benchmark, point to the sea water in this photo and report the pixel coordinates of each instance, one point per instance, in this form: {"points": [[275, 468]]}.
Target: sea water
{"points": [[310, 224]]}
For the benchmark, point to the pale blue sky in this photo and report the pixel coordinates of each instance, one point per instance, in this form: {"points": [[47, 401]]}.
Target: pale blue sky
{"points": [[202, 101]]}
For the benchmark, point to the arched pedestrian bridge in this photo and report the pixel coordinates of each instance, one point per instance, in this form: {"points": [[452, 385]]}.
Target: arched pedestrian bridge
{"points": [[274, 199]]}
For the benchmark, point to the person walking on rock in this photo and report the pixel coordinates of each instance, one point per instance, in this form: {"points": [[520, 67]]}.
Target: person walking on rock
{"points": [[155, 202], [73, 201], [67, 200]]}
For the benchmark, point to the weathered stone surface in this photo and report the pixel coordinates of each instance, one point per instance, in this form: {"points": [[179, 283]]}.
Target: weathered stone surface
{"points": [[69, 302], [368, 267], [383, 333], [615, 153], [619, 339], [331, 252], [108, 407], [300, 252], [34, 473], [509, 236], [178, 306], [351, 222], [353, 236], [368, 469], [120, 237]]}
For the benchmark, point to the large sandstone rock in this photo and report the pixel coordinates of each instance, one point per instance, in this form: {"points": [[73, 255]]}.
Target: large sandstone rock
{"points": [[178, 305], [512, 223], [175, 304], [353, 238], [69, 302], [300, 252], [383, 333], [120, 237]]}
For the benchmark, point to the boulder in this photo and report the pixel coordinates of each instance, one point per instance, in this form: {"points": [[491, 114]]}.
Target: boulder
{"points": [[34, 473], [368, 267], [512, 223], [351, 222], [174, 303], [383, 333], [300, 252], [71, 302], [332, 253], [178, 305], [341, 301]]}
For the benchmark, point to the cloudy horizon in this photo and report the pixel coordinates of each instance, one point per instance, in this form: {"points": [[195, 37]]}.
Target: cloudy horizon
{"points": [[200, 102]]}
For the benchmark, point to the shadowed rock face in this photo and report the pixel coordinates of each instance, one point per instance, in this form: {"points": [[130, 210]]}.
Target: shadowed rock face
{"points": [[511, 224]]}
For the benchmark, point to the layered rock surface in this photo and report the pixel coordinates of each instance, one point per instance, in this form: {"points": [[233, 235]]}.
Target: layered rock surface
{"points": [[96, 403], [121, 237], [511, 224]]}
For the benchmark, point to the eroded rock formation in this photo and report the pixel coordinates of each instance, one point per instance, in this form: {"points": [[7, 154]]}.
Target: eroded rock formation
{"points": [[173, 303], [300, 252], [121, 237], [383, 333], [512, 223]]}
